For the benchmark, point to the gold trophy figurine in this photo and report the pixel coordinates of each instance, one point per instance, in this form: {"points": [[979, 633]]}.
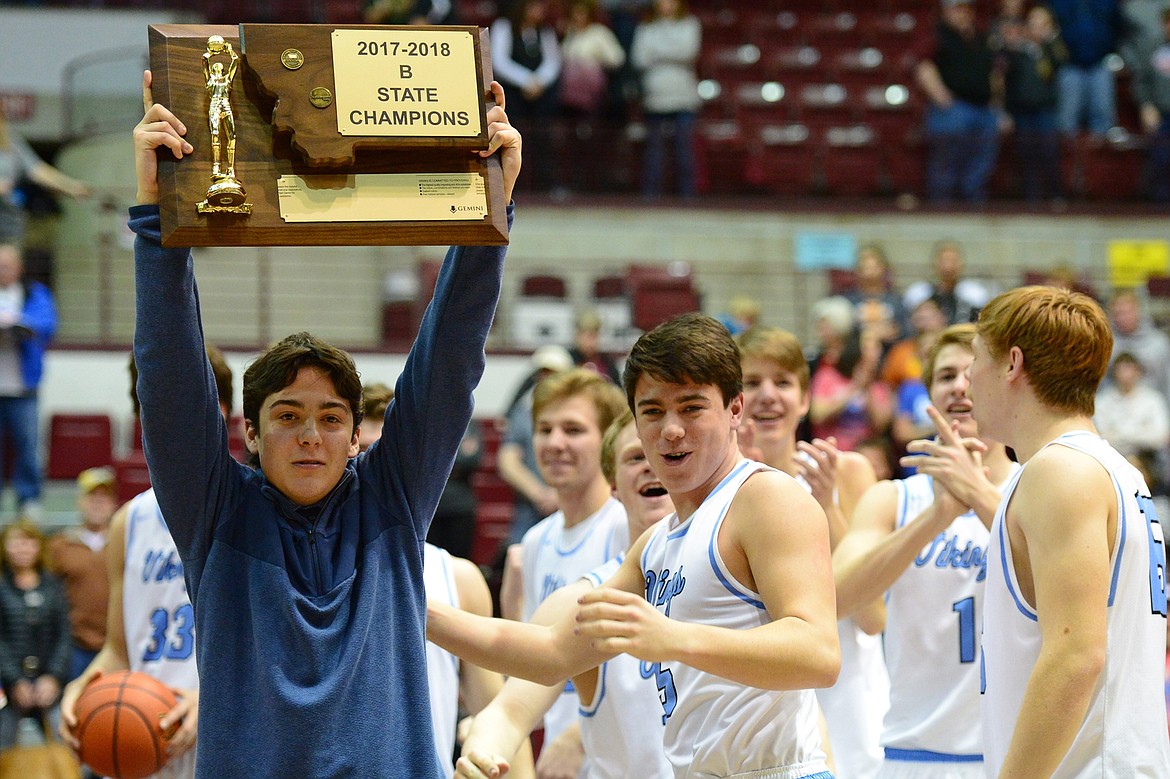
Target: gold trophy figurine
{"points": [[226, 193]]}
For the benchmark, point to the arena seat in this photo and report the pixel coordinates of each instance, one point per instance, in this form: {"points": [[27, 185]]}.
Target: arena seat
{"points": [[826, 102], [658, 293], [539, 315], [77, 442], [132, 476], [834, 29], [722, 152], [493, 523], [1110, 168], [782, 159], [852, 161]]}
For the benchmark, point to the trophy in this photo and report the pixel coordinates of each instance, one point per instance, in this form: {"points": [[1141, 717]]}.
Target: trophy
{"points": [[226, 193], [344, 135]]}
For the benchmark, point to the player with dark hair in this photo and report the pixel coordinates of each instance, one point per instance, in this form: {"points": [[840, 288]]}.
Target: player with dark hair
{"points": [[306, 575]]}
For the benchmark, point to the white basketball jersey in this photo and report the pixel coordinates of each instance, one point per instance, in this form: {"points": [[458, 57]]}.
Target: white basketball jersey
{"points": [[553, 557], [156, 612], [442, 666], [621, 728], [932, 638], [855, 705], [717, 727], [1124, 731]]}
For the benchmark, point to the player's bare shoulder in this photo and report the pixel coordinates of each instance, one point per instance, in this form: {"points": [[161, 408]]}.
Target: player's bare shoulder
{"points": [[1057, 467], [1043, 492], [774, 496]]}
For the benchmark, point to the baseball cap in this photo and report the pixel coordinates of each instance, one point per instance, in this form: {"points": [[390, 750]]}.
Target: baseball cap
{"points": [[92, 478], [552, 358]]}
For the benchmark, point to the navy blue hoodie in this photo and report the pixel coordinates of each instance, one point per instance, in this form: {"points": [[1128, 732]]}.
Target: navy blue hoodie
{"points": [[310, 620]]}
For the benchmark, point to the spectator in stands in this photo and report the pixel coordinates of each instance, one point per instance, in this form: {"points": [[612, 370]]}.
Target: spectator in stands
{"points": [[409, 12], [591, 52], [437, 12], [1009, 24], [849, 401], [880, 454], [624, 17], [1131, 415], [453, 528], [1091, 30], [878, 307], [962, 127], [1134, 332], [586, 348], [902, 372], [665, 52], [742, 315], [1151, 91], [34, 630], [1062, 276], [1141, 29], [958, 298], [526, 59], [904, 360], [77, 556], [28, 319], [17, 159], [516, 459], [1032, 56]]}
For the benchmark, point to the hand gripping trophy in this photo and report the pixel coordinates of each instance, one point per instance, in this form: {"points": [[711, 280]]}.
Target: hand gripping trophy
{"points": [[226, 193]]}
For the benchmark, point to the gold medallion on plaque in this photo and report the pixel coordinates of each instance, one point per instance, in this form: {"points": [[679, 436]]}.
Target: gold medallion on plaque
{"points": [[292, 58], [321, 97], [226, 194]]}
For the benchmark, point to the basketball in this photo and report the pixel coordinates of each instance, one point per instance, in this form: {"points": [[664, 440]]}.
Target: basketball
{"points": [[117, 724]]}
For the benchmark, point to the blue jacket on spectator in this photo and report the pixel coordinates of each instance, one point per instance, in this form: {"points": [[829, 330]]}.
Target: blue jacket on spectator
{"points": [[1090, 29], [40, 317]]}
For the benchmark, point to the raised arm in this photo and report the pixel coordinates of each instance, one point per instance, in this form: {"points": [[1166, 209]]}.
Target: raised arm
{"points": [[433, 397], [957, 463], [184, 432], [1061, 545], [875, 552]]}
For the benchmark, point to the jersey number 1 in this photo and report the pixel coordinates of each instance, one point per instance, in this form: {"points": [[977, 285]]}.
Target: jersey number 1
{"points": [[966, 611]]}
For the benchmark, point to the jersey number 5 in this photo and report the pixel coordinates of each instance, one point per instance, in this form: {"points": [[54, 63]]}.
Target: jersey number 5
{"points": [[664, 680]]}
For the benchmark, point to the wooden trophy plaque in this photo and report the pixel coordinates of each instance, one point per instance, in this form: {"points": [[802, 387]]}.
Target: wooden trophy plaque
{"points": [[327, 135]]}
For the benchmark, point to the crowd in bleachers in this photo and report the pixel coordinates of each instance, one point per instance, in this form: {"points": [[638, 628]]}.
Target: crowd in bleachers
{"points": [[1053, 101]]}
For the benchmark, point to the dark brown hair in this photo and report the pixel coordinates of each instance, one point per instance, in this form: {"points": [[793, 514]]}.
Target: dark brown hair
{"points": [[691, 348], [278, 367]]}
